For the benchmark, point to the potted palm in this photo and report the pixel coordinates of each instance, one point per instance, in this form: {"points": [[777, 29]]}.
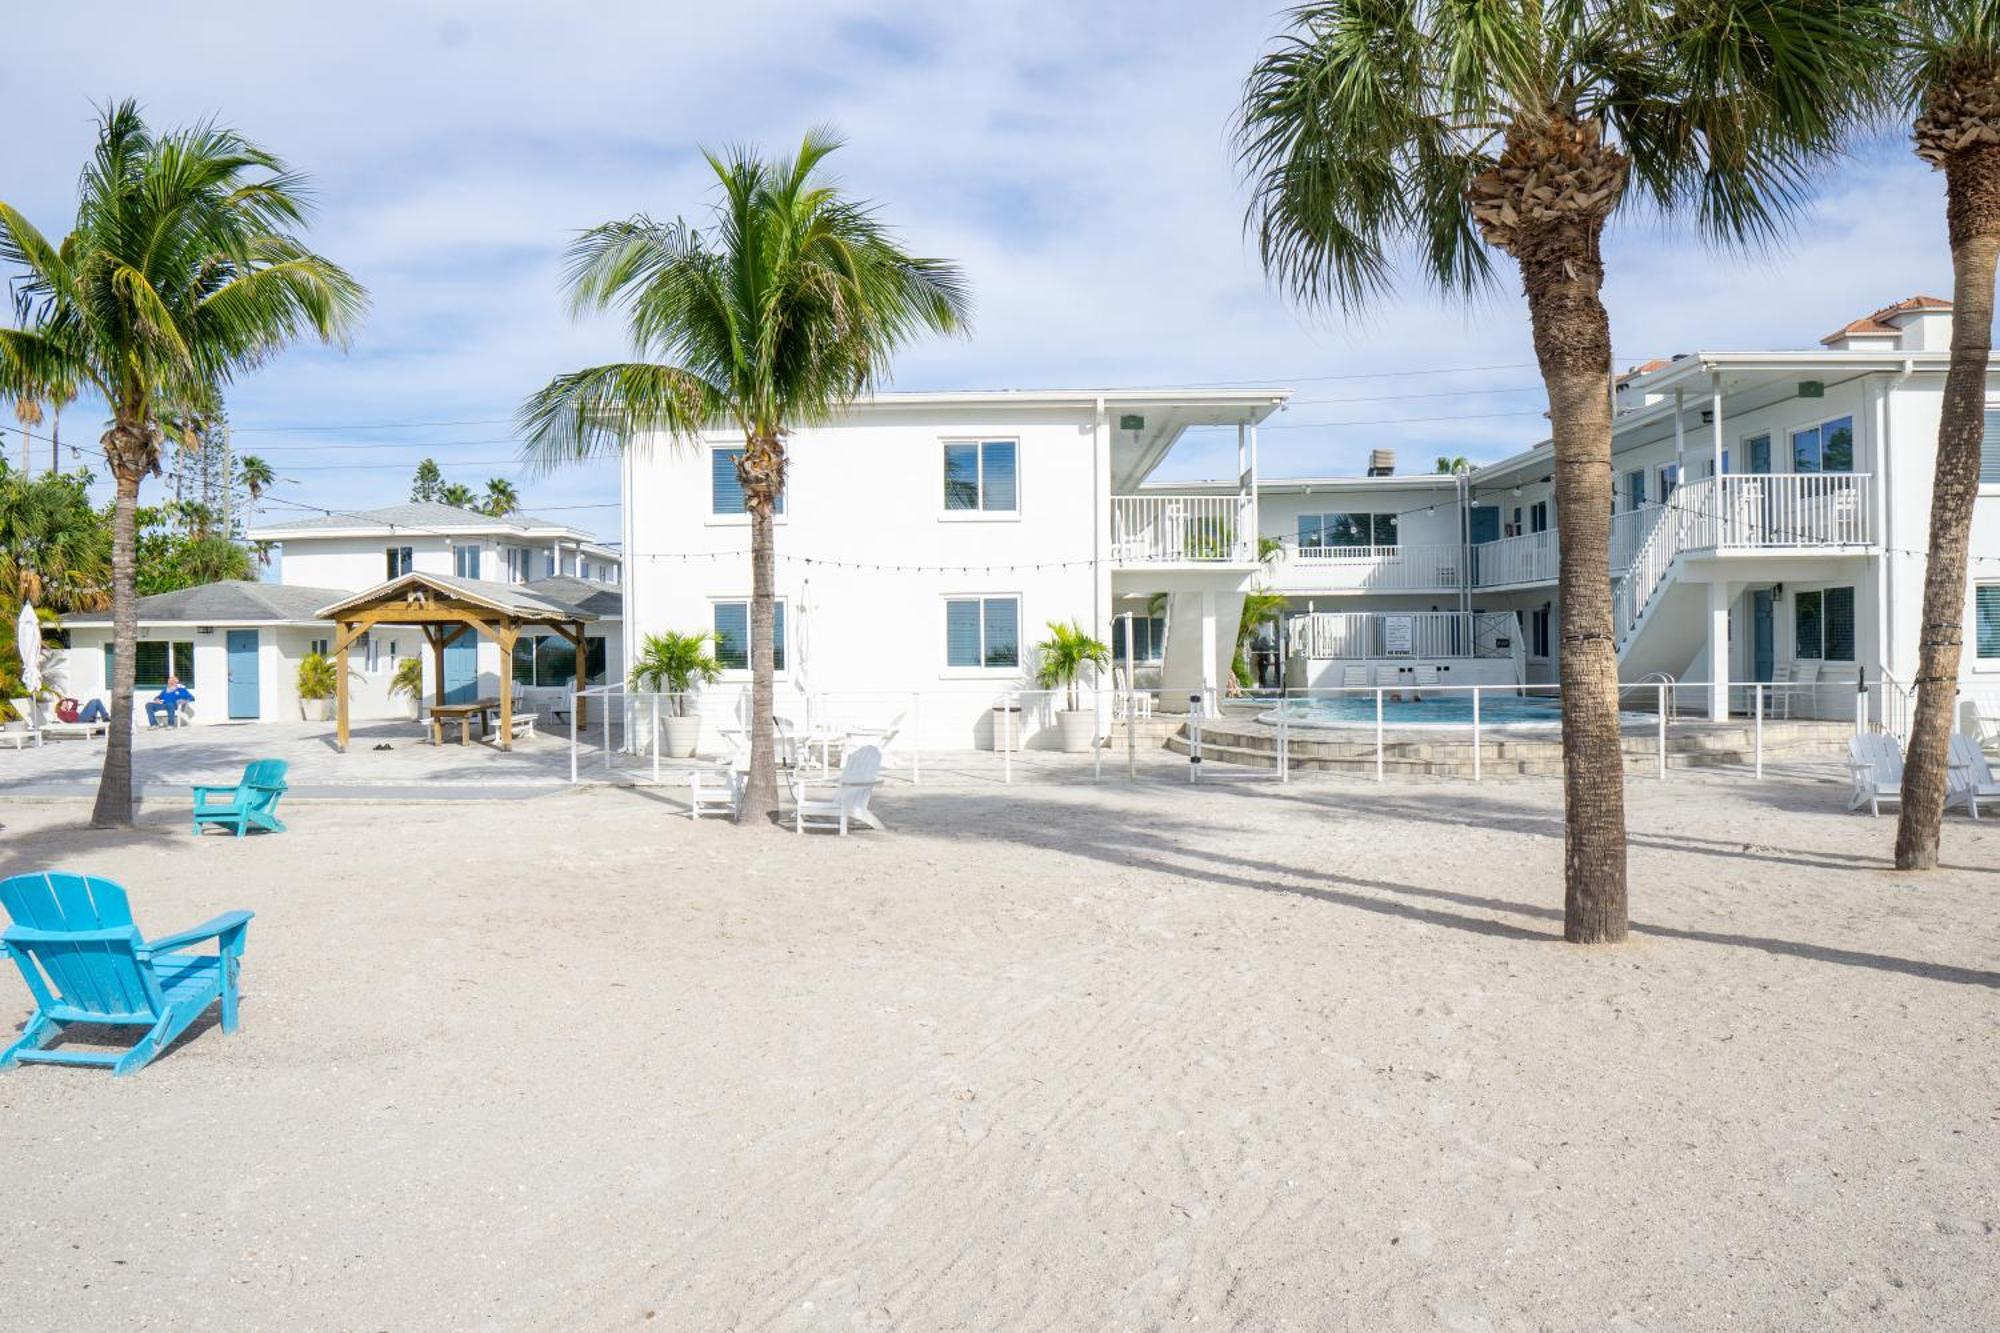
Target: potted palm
{"points": [[408, 682], [317, 683], [1064, 654], [673, 663]]}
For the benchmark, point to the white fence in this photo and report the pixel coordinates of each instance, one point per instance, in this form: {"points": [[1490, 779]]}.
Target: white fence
{"points": [[1181, 529], [1421, 568], [1367, 635]]}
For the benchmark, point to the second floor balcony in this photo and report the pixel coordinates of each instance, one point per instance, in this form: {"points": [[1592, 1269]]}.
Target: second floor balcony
{"points": [[1183, 530]]}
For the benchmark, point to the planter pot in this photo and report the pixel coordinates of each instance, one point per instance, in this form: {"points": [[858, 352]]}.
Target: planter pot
{"points": [[1077, 729], [683, 734], [410, 710], [317, 710]]}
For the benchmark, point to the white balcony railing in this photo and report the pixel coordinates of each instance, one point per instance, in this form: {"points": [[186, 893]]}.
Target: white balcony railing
{"points": [[1629, 531], [1424, 568], [1181, 529], [1529, 558], [1363, 635]]}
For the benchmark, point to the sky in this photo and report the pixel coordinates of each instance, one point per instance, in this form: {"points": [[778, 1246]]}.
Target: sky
{"points": [[1074, 159]]}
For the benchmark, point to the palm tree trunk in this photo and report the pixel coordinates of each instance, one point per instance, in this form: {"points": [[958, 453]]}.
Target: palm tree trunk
{"points": [[1972, 189], [114, 787], [761, 470], [1573, 345]]}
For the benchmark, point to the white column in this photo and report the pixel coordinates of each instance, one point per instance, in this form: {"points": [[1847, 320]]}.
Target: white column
{"points": [[1209, 684], [1718, 651], [1715, 411], [1100, 544], [1680, 437]]}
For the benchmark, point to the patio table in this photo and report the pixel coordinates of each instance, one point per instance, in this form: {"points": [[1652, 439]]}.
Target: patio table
{"points": [[463, 715]]}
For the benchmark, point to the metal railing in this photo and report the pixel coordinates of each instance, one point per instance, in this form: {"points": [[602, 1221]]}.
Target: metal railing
{"points": [[1421, 568], [1528, 558], [1181, 529], [1365, 635]]}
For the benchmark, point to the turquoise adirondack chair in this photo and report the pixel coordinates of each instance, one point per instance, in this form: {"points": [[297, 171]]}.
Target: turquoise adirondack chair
{"points": [[254, 800], [76, 946]]}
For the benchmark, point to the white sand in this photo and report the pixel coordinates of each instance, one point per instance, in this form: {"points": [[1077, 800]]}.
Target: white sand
{"points": [[1050, 1058]]}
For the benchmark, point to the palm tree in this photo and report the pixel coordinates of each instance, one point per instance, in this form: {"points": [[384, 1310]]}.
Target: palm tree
{"points": [[1459, 128], [1453, 465], [458, 495], [1949, 75], [180, 272], [27, 411], [778, 315], [500, 497], [60, 396], [1260, 607]]}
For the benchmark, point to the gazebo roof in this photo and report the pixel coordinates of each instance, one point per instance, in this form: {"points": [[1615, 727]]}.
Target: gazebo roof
{"points": [[512, 601]]}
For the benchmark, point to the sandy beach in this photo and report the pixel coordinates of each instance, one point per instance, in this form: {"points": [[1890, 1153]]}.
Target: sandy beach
{"points": [[1060, 1057]]}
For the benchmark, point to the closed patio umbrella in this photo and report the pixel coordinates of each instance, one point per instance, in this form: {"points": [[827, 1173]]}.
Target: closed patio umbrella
{"points": [[28, 643]]}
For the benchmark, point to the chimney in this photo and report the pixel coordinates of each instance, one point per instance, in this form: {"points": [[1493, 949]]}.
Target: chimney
{"points": [[1381, 462]]}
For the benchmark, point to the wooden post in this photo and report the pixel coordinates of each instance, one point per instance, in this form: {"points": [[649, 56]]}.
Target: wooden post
{"points": [[340, 688], [506, 634], [582, 671], [437, 662]]}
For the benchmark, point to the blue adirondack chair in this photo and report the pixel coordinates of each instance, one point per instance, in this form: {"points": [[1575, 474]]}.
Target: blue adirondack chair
{"points": [[254, 800], [75, 944]]}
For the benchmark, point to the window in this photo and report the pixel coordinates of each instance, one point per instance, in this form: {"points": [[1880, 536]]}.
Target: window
{"points": [[465, 561], [1538, 516], [981, 476], [1635, 489], [1670, 480], [982, 632], [1538, 631], [732, 635], [398, 561], [583, 570], [548, 564], [1989, 450], [1325, 531], [1823, 625], [318, 646], [549, 661], [1824, 448], [725, 489], [151, 664], [1986, 622], [517, 564], [1149, 639]]}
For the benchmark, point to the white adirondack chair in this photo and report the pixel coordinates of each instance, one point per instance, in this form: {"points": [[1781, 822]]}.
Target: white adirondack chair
{"points": [[1969, 779], [837, 803], [719, 790], [1424, 676], [1123, 695], [1875, 761], [1355, 677]]}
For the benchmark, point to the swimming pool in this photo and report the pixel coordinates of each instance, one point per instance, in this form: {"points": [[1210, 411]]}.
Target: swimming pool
{"points": [[1440, 710]]}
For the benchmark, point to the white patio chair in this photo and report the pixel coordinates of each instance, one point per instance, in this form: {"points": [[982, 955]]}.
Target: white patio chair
{"points": [[1987, 719], [717, 791], [1123, 695], [1969, 779], [881, 737], [1875, 761], [1424, 676], [837, 803], [24, 732], [1355, 677], [1795, 689]]}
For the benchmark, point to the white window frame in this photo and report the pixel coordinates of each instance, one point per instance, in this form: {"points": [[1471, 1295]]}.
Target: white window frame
{"points": [[478, 558], [1987, 487], [714, 520], [1982, 665], [746, 672], [943, 632], [1853, 420], [981, 514], [406, 558]]}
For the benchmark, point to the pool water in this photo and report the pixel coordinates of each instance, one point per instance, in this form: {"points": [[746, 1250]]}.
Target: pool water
{"points": [[1453, 709]]}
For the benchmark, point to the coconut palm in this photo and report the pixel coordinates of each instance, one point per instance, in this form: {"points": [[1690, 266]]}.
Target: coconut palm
{"points": [[1453, 465], [780, 313], [1949, 77], [1062, 657], [1260, 608], [180, 272], [459, 496], [256, 476], [1455, 128], [673, 663], [500, 497]]}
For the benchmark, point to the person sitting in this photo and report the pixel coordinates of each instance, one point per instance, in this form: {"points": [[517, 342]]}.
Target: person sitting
{"points": [[169, 701], [93, 711]]}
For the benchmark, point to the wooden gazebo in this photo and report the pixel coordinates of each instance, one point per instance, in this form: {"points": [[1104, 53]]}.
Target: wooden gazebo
{"points": [[445, 610]]}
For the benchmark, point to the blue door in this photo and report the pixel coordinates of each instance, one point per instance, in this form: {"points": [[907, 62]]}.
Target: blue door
{"points": [[461, 668], [243, 684], [1763, 643]]}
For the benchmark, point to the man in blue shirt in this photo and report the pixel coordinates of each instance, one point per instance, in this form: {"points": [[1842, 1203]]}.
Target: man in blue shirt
{"points": [[169, 701]]}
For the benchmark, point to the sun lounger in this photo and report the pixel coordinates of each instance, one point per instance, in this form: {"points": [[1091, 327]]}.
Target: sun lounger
{"points": [[843, 800], [1875, 761], [86, 963], [53, 728], [1969, 779], [22, 732], [254, 800]]}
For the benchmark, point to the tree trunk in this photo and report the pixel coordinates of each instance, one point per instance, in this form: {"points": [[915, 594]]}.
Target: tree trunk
{"points": [[1972, 189], [761, 470], [114, 787], [1573, 345]]}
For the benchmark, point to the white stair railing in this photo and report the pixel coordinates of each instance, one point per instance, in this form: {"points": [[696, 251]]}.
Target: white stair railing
{"points": [[1687, 523]]}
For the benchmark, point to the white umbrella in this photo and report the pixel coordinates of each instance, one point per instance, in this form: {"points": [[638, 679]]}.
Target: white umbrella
{"points": [[28, 642]]}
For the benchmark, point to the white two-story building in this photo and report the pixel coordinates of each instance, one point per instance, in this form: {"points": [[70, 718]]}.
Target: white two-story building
{"points": [[1770, 523]]}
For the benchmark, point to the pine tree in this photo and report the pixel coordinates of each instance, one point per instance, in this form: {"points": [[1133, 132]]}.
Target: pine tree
{"points": [[428, 484]]}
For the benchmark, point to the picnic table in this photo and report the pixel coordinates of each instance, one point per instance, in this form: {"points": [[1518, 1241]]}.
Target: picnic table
{"points": [[463, 715]]}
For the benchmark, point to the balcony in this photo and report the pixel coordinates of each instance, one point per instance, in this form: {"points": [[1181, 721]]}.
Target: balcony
{"points": [[1182, 530], [1335, 569]]}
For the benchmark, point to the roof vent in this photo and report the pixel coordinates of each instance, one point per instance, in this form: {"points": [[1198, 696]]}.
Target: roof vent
{"points": [[1381, 462]]}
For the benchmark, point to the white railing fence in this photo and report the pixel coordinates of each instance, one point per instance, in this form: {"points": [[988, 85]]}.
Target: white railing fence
{"points": [[1629, 531], [1368, 635], [1528, 558], [1182, 529], [1419, 568]]}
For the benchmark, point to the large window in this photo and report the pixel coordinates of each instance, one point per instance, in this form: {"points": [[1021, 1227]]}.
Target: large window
{"points": [[1149, 639], [1989, 450], [725, 488], [397, 558], [982, 632], [1986, 622], [732, 635], [1824, 448], [153, 663], [981, 476], [1538, 516], [465, 561], [519, 570], [1328, 531], [1538, 632], [1823, 624], [1670, 480], [549, 661], [1635, 488]]}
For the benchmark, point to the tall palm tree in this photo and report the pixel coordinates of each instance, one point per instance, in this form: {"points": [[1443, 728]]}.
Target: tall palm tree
{"points": [[1949, 76], [1453, 128], [501, 499], [256, 476], [27, 411], [1453, 465], [60, 396], [458, 495], [180, 271], [778, 315]]}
